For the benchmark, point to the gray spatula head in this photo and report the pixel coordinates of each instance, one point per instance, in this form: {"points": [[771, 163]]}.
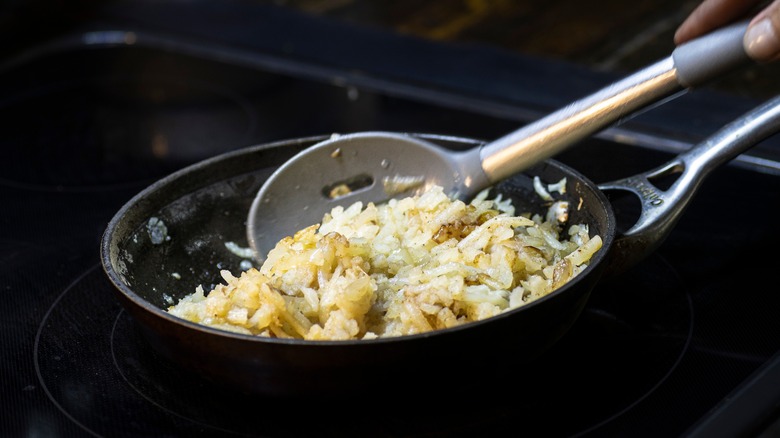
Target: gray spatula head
{"points": [[366, 167]]}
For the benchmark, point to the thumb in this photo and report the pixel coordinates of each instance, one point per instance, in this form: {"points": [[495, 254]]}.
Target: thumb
{"points": [[762, 38]]}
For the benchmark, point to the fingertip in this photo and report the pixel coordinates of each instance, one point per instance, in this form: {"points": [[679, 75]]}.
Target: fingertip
{"points": [[684, 32], [679, 37], [761, 40]]}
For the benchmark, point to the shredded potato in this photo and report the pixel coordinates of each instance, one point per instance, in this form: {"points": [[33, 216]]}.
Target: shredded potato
{"points": [[408, 266]]}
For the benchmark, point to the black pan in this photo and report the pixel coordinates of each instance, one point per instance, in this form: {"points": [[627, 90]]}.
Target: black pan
{"points": [[172, 237]]}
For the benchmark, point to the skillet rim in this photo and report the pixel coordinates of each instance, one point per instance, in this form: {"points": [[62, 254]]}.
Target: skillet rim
{"points": [[112, 238]]}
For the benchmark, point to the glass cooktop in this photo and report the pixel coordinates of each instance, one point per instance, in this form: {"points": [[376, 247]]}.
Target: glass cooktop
{"points": [[665, 349]]}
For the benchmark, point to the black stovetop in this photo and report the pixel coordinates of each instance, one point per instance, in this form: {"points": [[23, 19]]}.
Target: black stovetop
{"points": [[684, 343]]}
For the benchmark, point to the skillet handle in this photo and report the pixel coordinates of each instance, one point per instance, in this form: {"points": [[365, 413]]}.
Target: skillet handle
{"points": [[661, 209]]}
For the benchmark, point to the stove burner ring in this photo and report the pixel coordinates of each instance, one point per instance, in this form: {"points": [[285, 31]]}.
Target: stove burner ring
{"points": [[103, 360], [80, 369]]}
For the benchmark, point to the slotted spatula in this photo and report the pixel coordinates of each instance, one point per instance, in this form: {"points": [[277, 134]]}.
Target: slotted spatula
{"points": [[376, 166]]}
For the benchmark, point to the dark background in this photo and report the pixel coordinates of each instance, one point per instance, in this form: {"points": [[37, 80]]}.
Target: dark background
{"points": [[609, 35]]}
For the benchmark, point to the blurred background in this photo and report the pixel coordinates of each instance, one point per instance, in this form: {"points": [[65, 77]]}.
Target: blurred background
{"points": [[609, 35]]}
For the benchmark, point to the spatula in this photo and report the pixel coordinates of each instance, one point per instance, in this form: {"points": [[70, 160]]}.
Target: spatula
{"points": [[377, 166]]}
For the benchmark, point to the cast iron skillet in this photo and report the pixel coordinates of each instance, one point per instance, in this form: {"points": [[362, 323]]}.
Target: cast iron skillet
{"points": [[172, 237]]}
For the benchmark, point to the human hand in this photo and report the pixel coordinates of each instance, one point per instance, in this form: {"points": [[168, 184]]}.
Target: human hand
{"points": [[762, 38]]}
